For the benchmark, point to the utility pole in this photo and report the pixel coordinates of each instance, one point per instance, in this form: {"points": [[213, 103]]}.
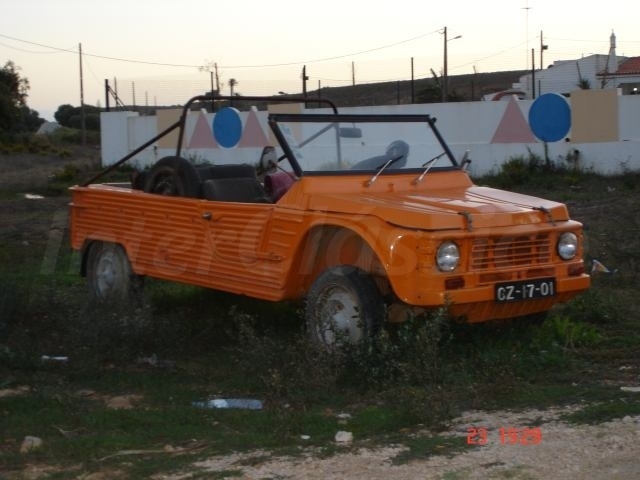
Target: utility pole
{"points": [[445, 73], [353, 74], [213, 102], [413, 92], [106, 94], [473, 84], [444, 69], [82, 116], [304, 81], [526, 8], [533, 73], [543, 47], [215, 67]]}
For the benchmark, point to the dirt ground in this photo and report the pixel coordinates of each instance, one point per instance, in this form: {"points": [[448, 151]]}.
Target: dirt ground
{"points": [[596, 452], [28, 171], [608, 451]]}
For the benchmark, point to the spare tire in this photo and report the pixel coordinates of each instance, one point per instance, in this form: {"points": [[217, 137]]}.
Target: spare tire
{"points": [[174, 176]]}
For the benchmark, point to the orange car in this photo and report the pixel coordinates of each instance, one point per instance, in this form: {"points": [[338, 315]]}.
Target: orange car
{"points": [[368, 218]]}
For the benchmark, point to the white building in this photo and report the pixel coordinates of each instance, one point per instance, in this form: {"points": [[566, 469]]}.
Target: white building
{"points": [[596, 71]]}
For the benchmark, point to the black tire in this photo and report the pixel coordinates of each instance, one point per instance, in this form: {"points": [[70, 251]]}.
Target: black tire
{"points": [[109, 275], [343, 306], [174, 176]]}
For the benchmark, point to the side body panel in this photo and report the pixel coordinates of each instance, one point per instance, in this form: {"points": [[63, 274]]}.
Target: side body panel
{"points": [[391, 229], [212, 244]]}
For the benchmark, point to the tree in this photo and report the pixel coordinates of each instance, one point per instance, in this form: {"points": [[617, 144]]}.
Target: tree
{"points": [[432, 93], [232, 83], [70, 116], [15, 115], [63, 114]]}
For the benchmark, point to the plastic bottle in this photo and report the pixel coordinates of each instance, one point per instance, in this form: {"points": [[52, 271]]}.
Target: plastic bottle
{"points": [[241, 403]]}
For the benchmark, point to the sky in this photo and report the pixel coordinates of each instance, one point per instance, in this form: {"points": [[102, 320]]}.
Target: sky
{"points": [[159, 52]]}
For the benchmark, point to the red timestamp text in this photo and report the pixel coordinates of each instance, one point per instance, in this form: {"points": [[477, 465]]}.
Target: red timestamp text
{"points": [[506, 435]]}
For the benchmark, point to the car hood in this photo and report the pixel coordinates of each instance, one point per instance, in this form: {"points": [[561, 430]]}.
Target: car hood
{"points": [[464, 208]]}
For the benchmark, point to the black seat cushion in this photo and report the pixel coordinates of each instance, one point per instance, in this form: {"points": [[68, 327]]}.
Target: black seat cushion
{"points": [[243, 189], [226, 171]]}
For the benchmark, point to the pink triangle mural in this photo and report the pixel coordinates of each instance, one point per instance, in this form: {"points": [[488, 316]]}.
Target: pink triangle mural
{"points": [[253, 134], [202, 136], [513, 128]]}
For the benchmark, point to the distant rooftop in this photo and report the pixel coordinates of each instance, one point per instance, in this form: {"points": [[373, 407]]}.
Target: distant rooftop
{"points": [[630, 66]]}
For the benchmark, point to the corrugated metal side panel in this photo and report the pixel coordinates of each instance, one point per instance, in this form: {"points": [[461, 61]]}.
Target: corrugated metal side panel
{"points": [[167, 237]]}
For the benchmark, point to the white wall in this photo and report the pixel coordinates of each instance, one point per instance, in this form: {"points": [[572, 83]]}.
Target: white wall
{"points": [[465, 126], [116, 135]]}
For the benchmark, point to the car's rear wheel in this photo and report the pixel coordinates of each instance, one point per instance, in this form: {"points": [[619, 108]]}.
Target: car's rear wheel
{"points": [[110, 276], [343, 306]]}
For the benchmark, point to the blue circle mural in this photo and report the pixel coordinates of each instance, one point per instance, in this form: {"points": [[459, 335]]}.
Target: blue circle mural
{"points": [[227, 127], [550, 117]]}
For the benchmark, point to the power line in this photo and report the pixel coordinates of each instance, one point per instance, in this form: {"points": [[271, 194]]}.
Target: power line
{"points": [[12, 47], [585, 41], [69, 50], [105, 57]]}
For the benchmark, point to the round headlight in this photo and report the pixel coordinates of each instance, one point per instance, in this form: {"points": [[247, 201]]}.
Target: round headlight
{"points": [[567, 245], [447, 256]]}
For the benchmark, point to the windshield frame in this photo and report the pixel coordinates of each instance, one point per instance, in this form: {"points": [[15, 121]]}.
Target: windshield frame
{"points": [[275, 119]]}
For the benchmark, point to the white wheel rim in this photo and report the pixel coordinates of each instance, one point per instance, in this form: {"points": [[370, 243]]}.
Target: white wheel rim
{"points": [[109, 275], [339, 317]]}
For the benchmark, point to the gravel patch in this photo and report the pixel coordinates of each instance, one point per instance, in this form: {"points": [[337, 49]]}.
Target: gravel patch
{"points": [[605, 451]]}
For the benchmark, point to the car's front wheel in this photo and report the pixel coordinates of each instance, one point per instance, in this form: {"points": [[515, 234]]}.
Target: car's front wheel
{"points": [[343, 306]]}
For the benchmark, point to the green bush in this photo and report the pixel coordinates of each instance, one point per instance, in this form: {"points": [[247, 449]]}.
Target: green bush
{"points": [[68, 173], [593, 306], [406, 354], [286, 367], [565, 333], [519, 170], [293, 368]]}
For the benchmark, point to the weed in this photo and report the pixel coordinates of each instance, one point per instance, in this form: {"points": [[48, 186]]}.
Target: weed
{"points": [[68, 173], [406, 354], [605, 411], [563, 332], [532, 173], [518, 170], [593, 306], [290, 369], [198, 160], [422, 447], [111, 332]]}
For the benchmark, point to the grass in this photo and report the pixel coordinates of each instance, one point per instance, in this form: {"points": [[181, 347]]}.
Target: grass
{"points": [[206, 344], [611, 409], [425, 446]]}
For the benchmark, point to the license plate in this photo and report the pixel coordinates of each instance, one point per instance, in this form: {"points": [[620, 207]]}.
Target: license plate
{"points": [[525, 290]]}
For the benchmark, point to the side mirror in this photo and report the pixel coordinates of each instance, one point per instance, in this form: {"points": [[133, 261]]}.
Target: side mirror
{"points": [[465, 162], [268, 158]]}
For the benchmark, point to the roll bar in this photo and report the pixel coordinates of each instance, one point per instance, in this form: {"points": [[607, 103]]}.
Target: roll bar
{"points": [[212, 98]]}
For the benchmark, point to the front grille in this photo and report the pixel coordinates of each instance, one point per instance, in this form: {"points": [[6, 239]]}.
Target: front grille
{"points": [[507, 252]]}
